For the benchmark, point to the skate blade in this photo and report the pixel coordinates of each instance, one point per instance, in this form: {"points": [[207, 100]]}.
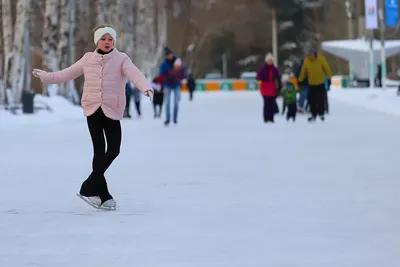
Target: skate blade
{"points": [[95, 206]]}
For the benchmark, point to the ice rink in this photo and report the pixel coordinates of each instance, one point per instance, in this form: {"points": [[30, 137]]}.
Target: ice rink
{"points": [[220, 189]]}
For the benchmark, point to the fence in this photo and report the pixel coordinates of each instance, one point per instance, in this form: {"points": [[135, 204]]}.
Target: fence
{"points": [[224, 85]]}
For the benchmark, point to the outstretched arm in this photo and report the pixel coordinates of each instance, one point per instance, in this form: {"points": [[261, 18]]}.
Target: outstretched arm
{"points": [[135, 76], [65, 75]]}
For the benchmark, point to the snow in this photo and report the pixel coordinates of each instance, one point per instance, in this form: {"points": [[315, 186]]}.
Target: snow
{"points": [[357, 52], [221, 189], [60, 111], [378, 99], [361, 45]]}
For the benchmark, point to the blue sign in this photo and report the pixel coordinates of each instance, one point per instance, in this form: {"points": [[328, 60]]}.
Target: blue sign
{"points": [[392, 12]]}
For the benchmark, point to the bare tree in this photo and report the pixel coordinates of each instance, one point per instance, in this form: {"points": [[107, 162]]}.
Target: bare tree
{"points": [[50, 36], [145, 40], [102, 12], [7, 43], [16, 76]]}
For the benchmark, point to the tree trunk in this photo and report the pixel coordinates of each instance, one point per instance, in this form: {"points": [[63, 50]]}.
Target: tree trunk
{"points": [[84, 30], [7, 23], [118, 19], [102, 12], [160, 32], [50, 34], [16, 76], [145, 40], [127, 28], [62, 47]]}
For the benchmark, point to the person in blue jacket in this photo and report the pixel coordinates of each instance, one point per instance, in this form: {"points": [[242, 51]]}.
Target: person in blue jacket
{"points": [[327, 87], [303, 89], [172, 84]]}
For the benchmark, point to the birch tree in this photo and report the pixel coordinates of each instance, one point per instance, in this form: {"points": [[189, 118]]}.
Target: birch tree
{"points": [[7, 42], [160, 30], [128, 29], [145, 39], [16, 74], [102, 12], [62, 46], [118, 17], [66, 44], [50, 34], [84, 29]]}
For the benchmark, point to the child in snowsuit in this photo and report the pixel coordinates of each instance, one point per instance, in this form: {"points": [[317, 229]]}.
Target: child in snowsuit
{"points": [[158, 95], [289, 94]]}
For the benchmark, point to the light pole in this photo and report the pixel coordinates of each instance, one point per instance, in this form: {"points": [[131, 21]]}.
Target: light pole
{"points": [[349, 12], [383, 54], [275, 37]]}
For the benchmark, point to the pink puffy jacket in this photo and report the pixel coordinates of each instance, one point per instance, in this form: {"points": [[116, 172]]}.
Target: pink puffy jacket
{"points": [[105, 79]]}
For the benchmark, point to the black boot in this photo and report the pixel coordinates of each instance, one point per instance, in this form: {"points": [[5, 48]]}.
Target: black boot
{"points": [[311, 119]]}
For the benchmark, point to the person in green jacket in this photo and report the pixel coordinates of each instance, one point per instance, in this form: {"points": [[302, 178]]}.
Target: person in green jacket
{"points": [[289, 94]]}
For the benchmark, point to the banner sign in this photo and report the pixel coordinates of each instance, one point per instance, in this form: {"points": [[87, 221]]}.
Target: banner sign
{"points": [[392, 14], [371, 14]]}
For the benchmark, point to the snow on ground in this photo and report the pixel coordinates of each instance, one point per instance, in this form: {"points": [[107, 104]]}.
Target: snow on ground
{"points": [[61, 111], [221, 189], [383, 100]]}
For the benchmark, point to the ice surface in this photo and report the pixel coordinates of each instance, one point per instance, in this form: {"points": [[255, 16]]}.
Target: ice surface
{"points": [[221, 189]]}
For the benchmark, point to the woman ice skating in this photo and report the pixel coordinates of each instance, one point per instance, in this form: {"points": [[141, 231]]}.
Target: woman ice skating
{"points": [[103, 102], [269, 87]]}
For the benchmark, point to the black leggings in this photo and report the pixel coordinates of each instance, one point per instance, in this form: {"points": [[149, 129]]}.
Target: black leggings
{"points": [[100, 125]]}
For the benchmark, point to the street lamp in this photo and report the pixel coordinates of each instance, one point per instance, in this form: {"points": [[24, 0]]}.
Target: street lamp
{"points": [[349, 12]]}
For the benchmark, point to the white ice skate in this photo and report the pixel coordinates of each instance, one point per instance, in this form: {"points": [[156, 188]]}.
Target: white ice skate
{"points": [[95, 202], [109, 204]]}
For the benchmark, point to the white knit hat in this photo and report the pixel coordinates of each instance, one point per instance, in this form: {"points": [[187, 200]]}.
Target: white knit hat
{"points": [[269, 56], [102, 31], [178, 62]]}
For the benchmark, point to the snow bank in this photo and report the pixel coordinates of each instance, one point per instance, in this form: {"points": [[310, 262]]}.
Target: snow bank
{"points": [[52, 110], [383, 100]]}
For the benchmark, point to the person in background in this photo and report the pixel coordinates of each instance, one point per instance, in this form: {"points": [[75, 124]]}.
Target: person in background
{"points": [[128, 95], [165, 68], [158, 99], [378, 76], [136, 98], [289, 95], [191, 84], [315, 68], [172, 85], [327, 88], [303, 88], [270, 85]]}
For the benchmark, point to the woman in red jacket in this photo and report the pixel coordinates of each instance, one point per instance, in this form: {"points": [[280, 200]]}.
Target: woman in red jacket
{"points": [[270, 86]]}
